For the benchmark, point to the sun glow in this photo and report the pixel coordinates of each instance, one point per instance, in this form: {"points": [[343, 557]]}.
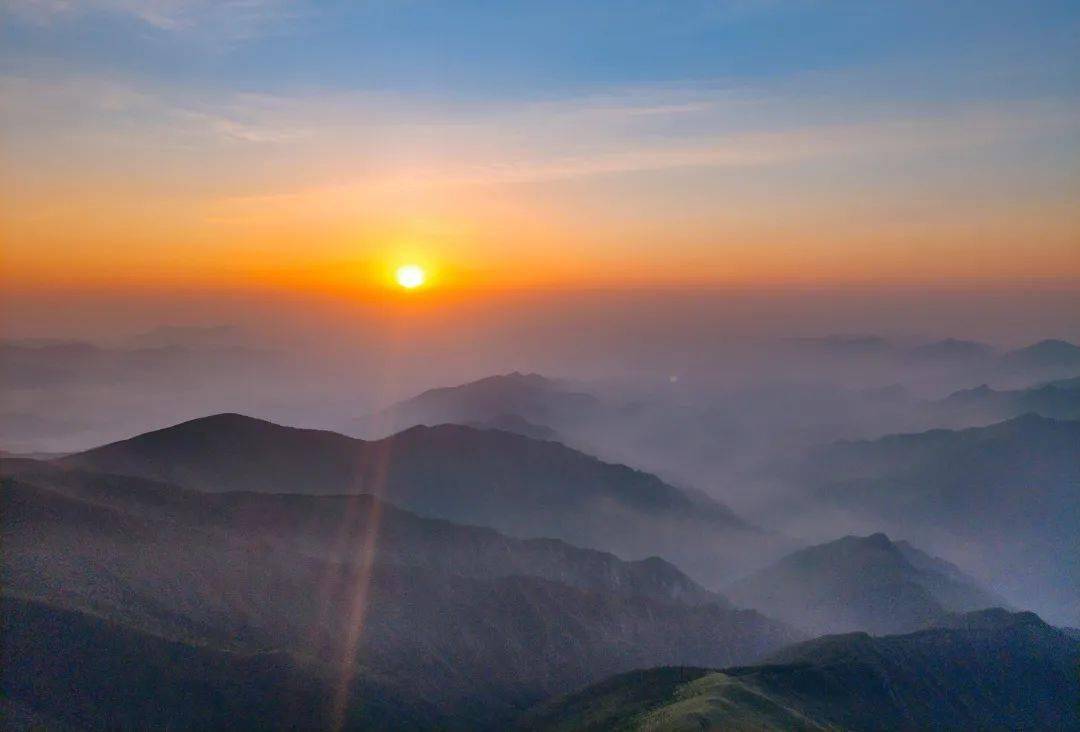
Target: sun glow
{"points": [[410, 276]]}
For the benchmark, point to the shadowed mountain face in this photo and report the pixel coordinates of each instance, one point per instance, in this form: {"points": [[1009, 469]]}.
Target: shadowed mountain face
{"points": [[856, 583], [338, 528], [1003, 499], [516, 424], [517, 485], [464, 623], [63, 669], [985, 670]]}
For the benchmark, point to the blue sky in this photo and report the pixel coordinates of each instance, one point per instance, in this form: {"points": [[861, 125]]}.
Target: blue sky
{"points": [[544, 48], [748, 138]]}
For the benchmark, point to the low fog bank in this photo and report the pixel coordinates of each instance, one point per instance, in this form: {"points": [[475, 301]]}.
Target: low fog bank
{"points": [[772, 367], [737, 397]]}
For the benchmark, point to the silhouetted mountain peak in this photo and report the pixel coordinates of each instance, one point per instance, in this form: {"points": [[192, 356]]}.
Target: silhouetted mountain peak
{"points": [[859, 583], [1047, 353], [879, 539], [225, 421], [1053, 346], [521, 486], [875, 547], [529, 396], [515, 380]]}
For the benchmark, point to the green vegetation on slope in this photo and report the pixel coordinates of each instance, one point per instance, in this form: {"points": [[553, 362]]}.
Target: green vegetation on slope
{"points": [[984, 670]]}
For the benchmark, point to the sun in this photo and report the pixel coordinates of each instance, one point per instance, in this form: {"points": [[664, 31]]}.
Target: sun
{"points": [[410, 276]]}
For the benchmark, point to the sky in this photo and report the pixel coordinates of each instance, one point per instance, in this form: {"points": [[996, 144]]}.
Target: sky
{"points": [[270, 149]]}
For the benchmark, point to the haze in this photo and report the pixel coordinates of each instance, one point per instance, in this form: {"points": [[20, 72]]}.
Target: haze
{"points": [[414, 365]]}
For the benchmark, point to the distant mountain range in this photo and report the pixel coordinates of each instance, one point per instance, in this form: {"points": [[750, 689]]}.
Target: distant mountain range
{"points": [[1006, 496], [1047, 354], [232, 601], [1019, 368], [860, 583], [530, 398], [520, 486], [983, 405], [693, 438], [984, 670], [335, 528]]}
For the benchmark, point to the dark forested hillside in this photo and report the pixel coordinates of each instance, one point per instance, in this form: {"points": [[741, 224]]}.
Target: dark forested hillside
{"points": [[469, 624], [984, 670], [518, 485]]}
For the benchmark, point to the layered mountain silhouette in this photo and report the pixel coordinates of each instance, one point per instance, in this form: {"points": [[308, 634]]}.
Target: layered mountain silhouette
{"points": [[518, 485], [984, 670], [983, 405], [517, 424], [1007, 494], [337, 528], [860, 583], [245, 600], [1048, 354], [533, 398]]}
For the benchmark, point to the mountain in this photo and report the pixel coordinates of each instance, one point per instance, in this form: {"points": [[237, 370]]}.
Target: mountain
{"points": [[983, 405], [465, 625], [860, 583], [1046, 354], [530, 397], [516, 424], [62, 669], [520, 486], [985, 670], [335, 527], [1072, 384], [1005, 497]]}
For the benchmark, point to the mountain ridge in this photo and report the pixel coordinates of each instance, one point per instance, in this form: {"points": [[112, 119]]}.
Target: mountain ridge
{"points": [[989, 670], [860, 583], [520, 486], [477, 647]]}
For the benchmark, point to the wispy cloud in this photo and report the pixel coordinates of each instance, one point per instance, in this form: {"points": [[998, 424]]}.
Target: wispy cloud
{"points": [[233, 20], [401, 141]]}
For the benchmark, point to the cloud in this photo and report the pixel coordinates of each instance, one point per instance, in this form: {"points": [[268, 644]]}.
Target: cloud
{"points": [[230, 20], [314, 159]]}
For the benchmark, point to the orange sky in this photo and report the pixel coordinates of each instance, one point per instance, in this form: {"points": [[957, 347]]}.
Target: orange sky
{"points": [[922, 170]]}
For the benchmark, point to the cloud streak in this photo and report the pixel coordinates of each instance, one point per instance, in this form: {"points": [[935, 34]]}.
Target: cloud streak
{"points": [[224, 20]]}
